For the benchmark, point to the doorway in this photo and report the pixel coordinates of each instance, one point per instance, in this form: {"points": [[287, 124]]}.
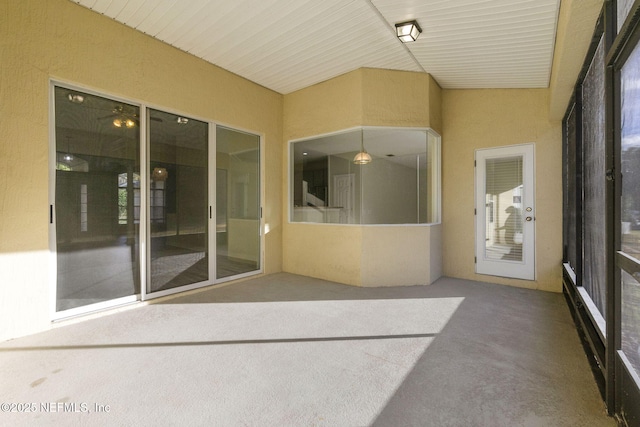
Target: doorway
{"points": [[505, 212]]}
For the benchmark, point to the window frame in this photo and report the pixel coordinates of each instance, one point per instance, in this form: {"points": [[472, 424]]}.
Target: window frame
{"points": [[437, 174]]}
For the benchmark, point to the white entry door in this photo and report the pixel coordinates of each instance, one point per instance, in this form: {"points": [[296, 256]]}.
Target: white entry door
{"points": [[505, 212]]}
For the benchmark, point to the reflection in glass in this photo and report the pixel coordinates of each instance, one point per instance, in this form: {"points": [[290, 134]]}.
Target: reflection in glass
{"points": [[630, 157], [623, 6], [178, 200], [97, 210], [237, 202], [594, 187], [630, 203], [399, 185], [503, 204]]}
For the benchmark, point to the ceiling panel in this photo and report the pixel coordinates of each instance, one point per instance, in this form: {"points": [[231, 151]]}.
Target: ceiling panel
{"points": [[286, 45]]}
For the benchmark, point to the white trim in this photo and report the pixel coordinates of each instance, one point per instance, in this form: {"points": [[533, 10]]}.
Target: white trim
{"points": [[95, 307], [144, 254], [213, 203], [51, 215], [525, 269]]}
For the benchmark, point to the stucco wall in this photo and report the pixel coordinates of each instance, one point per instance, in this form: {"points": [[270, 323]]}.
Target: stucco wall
{"points": [[491, 118], [58, 39]]}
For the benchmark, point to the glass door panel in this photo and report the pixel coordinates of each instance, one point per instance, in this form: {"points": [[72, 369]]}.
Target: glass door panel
{"points": [[178, 201], [97, 202], [238, 243]]}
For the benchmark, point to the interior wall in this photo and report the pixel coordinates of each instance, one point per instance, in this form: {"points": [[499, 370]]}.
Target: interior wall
{"points": [[487, 118], [61, 40]]}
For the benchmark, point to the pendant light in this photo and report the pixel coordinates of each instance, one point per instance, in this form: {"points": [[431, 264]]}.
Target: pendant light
{"points": [[362, 158]]}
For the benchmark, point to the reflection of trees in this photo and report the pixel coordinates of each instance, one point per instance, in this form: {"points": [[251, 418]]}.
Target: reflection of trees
{"points": [[630, 181]]}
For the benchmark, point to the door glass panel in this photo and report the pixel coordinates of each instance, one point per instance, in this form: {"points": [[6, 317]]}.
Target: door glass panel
{"points": [[178, 201], [503, 207], [97, 199], [630, 203], [237, 202]]}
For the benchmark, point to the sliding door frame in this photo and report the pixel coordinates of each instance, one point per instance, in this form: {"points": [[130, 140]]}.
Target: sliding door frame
{"points": [[144, 233], [55, 315]]}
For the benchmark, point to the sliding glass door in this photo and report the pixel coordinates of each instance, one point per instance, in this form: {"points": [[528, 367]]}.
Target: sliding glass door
{"points": [[237, 203], [97, 199], [192, 197], [178, 201]]}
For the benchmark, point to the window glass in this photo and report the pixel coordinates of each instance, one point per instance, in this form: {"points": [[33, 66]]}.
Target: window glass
{"points": [[594, 198], [623, 6], [178, 200], [630, 203], [237, 202], [367, 176], [97, 211]]}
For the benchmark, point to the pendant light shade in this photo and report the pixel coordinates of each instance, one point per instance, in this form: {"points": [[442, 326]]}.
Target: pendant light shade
{"points": [[362, 158]]}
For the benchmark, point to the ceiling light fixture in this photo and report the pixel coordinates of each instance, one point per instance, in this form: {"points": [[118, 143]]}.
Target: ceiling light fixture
{"points": [[362, 158], [75, 98], [182, 120], [408, 31]]}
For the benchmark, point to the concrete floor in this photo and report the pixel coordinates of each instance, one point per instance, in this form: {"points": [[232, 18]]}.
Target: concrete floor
{"points": [[285, 350]]}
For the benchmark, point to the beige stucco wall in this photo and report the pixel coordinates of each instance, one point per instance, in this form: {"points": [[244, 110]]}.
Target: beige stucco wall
{"points": [[355, 255], [58, 39], [490, 118], [576, 25]]}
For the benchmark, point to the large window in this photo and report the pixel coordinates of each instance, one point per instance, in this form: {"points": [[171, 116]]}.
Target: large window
{"points": [[366, 176]]}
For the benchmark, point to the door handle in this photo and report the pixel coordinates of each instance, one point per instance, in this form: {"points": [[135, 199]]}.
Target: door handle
{"points": [[529, 218]]}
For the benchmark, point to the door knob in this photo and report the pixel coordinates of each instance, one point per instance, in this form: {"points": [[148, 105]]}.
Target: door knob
{"points": [[528, 218]]}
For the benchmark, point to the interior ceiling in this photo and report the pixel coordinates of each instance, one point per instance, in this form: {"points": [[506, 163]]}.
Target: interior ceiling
{"points": [[286, 45]]}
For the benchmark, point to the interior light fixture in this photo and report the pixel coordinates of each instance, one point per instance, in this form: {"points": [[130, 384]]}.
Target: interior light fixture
{"points": [[75, 98], [362, 158], [67, 157], [119, 122], [408, 31], [182, 120], [159, 174]]}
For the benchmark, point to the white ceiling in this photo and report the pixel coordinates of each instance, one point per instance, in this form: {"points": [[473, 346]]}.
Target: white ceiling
{"points": [[286, 45]]}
